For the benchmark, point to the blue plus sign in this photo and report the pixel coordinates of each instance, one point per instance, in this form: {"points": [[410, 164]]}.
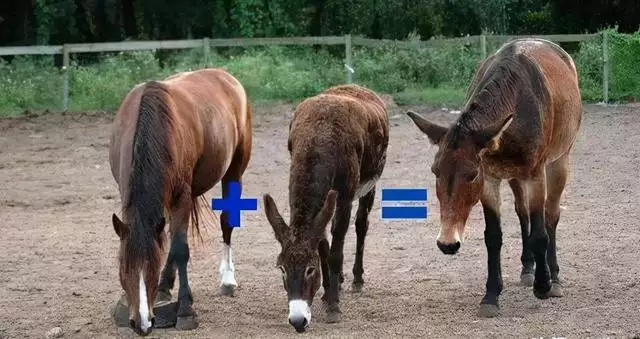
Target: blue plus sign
{"points": [[233, 204]]}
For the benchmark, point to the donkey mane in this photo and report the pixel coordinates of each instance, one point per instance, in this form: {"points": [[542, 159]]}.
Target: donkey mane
{"points": [[145, 203], [510, 80]]}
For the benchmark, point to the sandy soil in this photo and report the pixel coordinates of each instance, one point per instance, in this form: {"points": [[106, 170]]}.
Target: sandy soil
{"points": [[58, 248]]}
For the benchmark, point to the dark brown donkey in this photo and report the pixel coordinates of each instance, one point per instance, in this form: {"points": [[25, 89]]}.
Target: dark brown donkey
{"points": [[519, 124], [338, 143], [171, 142]]}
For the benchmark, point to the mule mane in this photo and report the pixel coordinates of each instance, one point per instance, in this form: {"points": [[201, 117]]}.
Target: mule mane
{"points": [[498, 92], [145, 203]]}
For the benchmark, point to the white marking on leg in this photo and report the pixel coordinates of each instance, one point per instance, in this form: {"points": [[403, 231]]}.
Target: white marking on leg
{"points": [[299, 308], [227, 269], [143, 306]]}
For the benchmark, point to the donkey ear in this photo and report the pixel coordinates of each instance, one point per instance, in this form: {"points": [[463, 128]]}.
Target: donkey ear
{"points": [[160, 226], [326, 213], [280, 228], [118, 226], [490, 136], [433, 131]]}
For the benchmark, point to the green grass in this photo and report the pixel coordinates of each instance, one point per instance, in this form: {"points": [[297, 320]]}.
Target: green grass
{"points": [[437, 76]]}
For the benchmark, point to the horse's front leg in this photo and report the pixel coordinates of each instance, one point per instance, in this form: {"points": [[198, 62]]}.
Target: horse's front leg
{"points": [[489, 306], [179, 253]]}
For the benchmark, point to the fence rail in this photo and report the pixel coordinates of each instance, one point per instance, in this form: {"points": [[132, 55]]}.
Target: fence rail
{"points": [[347, 40]]}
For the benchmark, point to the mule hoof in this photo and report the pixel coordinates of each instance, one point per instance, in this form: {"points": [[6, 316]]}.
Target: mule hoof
{"points": [[356, 287], [228, 290], [334, 317], [163, 297], [488, 311], [556, 291], [526, 279], [541, 290], [187, 323]]}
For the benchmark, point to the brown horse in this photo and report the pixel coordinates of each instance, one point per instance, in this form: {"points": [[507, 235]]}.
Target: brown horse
{"points": [[519, 124], [338, 143], [171, 142]]}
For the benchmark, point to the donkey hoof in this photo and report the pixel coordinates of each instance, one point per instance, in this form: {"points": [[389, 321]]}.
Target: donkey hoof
{"points": [[187, 323], [526, 279], [356, 287], [541, 290], [334, 317], [228, 290], [556, 290], [488, 311]]}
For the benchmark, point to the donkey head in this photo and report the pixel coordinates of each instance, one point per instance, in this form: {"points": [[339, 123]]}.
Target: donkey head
{"points": [[298, 260], [459, 174]]}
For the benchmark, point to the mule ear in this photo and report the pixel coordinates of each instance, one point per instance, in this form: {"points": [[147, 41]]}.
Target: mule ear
{"points": [[490, 136], [280, 228], [326, 213], [160, 226], [118, 226], [433, 131]]}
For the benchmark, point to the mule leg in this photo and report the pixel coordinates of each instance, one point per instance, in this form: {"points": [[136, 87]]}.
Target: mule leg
{"points": [[522, 210], [539, 239], [335, 259], [179, 253], [491, 201], [557, 174], [362, 226]]}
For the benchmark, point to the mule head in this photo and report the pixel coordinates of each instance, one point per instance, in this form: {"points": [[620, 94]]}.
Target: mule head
{"points": [[139, 272], [459, 173], [299, 261]]}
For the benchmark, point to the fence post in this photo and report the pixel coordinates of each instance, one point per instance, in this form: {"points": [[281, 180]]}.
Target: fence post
{"points": [[605, 67], [347, 54], [206, 48], [483, 46], [65, 75]]}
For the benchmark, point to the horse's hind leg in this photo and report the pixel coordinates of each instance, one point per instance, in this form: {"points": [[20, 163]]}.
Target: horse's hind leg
{"points": [[522, 210], [362, 225], [556, 176]]}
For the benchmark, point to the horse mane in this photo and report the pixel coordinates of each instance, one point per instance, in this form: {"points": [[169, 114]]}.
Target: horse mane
{"points": [[498, 92], [145, 203]]}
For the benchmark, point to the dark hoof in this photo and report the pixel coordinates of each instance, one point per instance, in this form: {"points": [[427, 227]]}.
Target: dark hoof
{"points": [[162, 297], [228, 290], [187, 323], [556, 290], [356, 287], [526, 279], [541, 290], [334, 317], [488, 311]]}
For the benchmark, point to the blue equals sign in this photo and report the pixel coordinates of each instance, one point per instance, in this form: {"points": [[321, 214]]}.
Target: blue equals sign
{"points": [[405, 195]]}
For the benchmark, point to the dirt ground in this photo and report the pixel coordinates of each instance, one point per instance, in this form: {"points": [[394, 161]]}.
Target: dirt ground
{"points": [[58, 249]]}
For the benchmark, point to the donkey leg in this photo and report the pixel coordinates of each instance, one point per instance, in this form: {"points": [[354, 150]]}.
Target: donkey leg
{"points": [[522, 210], [335, 259], [227, 269], [491, 201], [557, 174], [362, 226], [539, 239], [323, 251]]}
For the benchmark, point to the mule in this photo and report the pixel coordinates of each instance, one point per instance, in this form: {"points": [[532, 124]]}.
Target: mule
{"points": [[519, 124], [171, 142], [337, 143]]}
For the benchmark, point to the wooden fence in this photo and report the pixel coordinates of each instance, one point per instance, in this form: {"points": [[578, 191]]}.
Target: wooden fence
{"points": [[347, 40]]}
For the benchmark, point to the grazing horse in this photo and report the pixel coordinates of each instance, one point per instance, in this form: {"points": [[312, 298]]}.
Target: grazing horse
{"points": [[171, 142], [337, 143], [521, 119]]}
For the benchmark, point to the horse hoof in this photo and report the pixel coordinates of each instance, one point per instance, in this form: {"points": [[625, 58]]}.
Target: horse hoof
{"points": [[163, 297], [541, 290], [488, 311], [556, 291], [228, 290], [187, 323], [526, 279], [356, 287], [334, 317]]}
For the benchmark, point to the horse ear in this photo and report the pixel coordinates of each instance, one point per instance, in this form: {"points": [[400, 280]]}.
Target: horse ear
{"points": [[433, 131], [160, 226], [280, 228], [118, 226], [490, 137], [326, 213]]}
